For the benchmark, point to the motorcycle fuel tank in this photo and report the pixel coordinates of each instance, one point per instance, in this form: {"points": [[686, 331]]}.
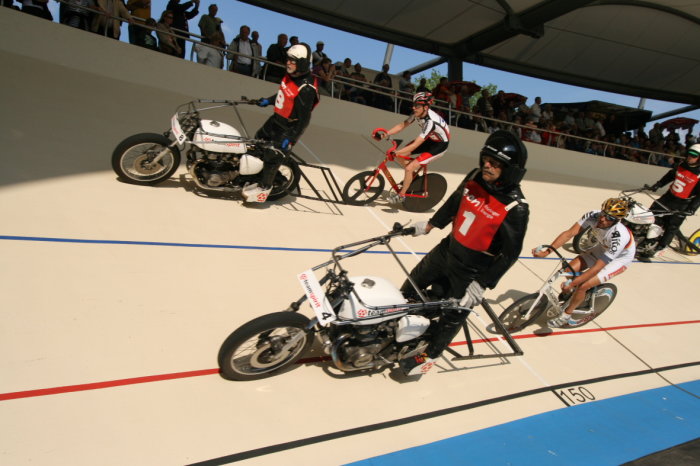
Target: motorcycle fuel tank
{"points": [[214, 136], [373, 291], [640, 215]]}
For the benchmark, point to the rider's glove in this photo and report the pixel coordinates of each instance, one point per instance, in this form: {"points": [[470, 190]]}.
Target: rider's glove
{"points": [[473, 295], [421, 228], [653, 188], [286, 145], [689, 213], [263, 102]]}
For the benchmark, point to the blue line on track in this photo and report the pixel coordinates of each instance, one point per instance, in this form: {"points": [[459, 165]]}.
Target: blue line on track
{"points": [[606, 432]]}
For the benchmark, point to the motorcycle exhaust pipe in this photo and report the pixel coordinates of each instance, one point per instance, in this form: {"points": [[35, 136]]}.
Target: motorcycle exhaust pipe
{"points": [[199, 184]]}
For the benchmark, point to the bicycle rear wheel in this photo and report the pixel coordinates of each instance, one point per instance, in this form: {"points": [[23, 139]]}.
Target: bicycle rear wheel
{"points": [[523, 312], [437, 187], [602, 298], [363, 188]]}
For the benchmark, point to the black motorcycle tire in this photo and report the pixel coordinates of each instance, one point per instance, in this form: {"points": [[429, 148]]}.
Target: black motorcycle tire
{"points": [[584, 241], [286, 180], [131, 156], [354, 190], [264, 336]]}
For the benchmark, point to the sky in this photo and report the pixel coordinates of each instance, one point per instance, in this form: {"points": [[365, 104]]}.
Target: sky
{"points": [[370, 53]]}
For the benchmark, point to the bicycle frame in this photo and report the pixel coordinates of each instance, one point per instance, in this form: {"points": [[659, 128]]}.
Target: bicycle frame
{"points": [[390, 156]]}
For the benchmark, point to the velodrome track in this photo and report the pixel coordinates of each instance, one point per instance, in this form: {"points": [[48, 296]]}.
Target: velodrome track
{"points": [[115, 298]]}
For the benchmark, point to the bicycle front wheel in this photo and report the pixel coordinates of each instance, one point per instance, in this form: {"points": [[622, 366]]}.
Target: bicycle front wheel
{"points": [[523, 312], [363, 188]]}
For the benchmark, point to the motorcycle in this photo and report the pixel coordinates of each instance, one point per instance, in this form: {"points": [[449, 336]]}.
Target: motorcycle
{"points": [[640, 220], [219, 158], [363, 322]]}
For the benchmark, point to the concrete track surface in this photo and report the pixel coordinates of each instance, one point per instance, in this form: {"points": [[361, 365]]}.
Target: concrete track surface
{"points": [[116, 298]]}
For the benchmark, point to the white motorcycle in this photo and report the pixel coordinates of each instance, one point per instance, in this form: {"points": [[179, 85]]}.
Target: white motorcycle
{"points": [[363, 322], [219, 158]]}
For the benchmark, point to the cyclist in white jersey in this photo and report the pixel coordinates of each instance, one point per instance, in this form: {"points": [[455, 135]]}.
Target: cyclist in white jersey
{"points": [[430, 145], [611, 255]]}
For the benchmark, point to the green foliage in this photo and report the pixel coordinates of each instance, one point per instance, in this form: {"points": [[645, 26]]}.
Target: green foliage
{"points": [[432, 81]]}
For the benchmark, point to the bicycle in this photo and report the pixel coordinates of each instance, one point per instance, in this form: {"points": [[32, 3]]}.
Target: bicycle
{"points": [[426, 189], [646, 233], [551, 302]]}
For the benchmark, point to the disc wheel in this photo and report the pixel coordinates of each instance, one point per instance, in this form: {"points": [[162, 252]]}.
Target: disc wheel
{"points": [[584, 240], [133, 159], [363, 188], [523, 312], [603, 296], [264, 346], [693, 246], [437, 187]]}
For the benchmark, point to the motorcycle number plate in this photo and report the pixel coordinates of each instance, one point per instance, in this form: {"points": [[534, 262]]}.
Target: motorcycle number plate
{"points": [[317, 298], [177, 130]]}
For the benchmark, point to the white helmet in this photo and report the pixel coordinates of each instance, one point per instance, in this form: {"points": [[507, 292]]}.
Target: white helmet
{"points": [[693, 151], [301, 55]]}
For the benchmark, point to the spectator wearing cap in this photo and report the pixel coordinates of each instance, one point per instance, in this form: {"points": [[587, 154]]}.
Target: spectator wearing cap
{"points": [[318, 54]]}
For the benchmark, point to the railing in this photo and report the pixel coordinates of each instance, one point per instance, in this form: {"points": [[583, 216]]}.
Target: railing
{"points": [[341, 83]]}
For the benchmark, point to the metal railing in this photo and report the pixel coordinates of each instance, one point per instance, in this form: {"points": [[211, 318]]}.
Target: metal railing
{"points": [[341, 85]]}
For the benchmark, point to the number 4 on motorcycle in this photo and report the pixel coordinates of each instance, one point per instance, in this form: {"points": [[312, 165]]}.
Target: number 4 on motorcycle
{"points": [[316, 297]]}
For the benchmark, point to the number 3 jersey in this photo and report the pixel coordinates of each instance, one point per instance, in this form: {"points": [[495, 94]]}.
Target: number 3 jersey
{"points": [[488, 227], [613, 242]]}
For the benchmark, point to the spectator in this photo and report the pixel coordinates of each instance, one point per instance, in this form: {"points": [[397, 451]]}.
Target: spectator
{"points": [[598, 129], [294, 40], [110, 27], [535, 111], [149, 41], [257, 53], [207, 54], [276, 53], [346, 68], [318, 54], [357, 93], [167, 42], [656, 134], [209, 24], [240, 53], [325, 71], [75, 14], [500, 106], [406, 90], [422, 86], [442, 92], [139, 9], [384, 84], [180, 17], [547, 115], [569, 121], [39, 8], [483, 104]]}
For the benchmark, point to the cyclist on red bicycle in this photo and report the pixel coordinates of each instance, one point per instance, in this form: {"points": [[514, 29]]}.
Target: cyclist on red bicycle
{"points": [[610, 256], [430, 145]]}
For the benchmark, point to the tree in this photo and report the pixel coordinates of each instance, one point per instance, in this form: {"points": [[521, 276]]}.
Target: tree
{"points": [[434, 79]]}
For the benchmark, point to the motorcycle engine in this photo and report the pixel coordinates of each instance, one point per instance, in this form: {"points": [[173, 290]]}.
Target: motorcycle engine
{"points": [[217, 170], [356, 348]]}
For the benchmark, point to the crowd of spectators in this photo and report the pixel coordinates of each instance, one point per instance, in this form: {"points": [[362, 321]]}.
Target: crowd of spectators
{"points": [[465, 106]]}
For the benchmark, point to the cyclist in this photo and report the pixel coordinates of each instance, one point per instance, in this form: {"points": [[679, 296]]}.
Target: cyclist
{"points": [[431, 144], [682, 195], [611, 255], [294, 102], [489, 217]]}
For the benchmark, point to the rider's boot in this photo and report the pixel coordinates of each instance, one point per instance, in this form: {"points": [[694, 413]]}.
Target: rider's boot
{"points": [[255, 193], [446, 329]]}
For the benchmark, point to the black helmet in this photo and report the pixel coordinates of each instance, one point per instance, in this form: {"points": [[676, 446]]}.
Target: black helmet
{"points": [[507, 148], [301, 55]]}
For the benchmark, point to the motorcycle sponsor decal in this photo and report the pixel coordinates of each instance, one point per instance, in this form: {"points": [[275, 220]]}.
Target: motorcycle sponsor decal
{"points": [[377, 312], [177, 130], [317, 298]]}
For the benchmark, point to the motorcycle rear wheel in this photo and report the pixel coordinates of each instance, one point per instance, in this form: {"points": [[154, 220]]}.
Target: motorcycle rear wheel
{"points": [[255, 350], [131, 159], [584, 240], [286, 181]]}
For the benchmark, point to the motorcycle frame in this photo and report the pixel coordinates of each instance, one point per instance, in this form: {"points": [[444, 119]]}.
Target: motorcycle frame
{"points": [[338, 273]]}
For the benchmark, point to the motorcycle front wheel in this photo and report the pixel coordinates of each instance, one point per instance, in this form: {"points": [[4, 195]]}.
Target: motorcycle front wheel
{"points": [[286, 181], [264, 346], [132, 159]]}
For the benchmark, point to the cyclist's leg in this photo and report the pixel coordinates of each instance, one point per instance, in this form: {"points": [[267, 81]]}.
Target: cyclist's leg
{"points": [[614, 268], [409, 169]]}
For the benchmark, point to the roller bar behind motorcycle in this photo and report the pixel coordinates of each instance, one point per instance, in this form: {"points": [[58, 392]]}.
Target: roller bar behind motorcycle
{"points": [[363, 322]]}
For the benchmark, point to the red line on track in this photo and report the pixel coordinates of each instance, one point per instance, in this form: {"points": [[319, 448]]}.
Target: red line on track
{"points": [[183, 375]]}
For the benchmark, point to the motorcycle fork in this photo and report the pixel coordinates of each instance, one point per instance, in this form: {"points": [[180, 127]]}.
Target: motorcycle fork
{"points": [[163, 153]]}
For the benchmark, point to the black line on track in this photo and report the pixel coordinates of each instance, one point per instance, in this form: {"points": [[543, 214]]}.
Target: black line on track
{"points": [[422, 417]]}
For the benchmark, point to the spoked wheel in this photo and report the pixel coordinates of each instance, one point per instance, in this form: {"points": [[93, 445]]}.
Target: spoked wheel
{"points": [[584, 240], [286, 180], [437, 187], [522, 313], [264, 346], [602, 297], [132, 159], [646, 249], [363, 188]]}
